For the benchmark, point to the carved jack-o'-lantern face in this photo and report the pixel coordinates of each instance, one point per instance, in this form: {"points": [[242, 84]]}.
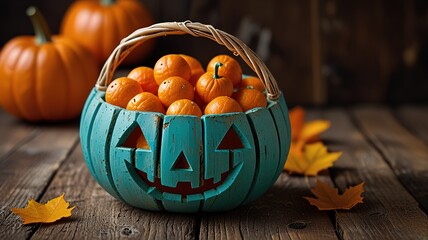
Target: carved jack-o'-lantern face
{"points": [[213, 163], [188, 166], [180, 167]]}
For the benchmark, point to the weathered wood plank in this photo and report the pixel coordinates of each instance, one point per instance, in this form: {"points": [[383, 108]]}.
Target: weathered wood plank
{"points": [[98, 215], [13, 133], [281, 213], [232, 192], [415, 118], [291, 52], [367, 31], [27, 171], [267, 153], [406, 154], [127, 182], [388, 211]]}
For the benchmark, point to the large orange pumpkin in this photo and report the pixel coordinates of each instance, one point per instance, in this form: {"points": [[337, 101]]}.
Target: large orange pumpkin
{"points": [[44, 78], [101, 24]]}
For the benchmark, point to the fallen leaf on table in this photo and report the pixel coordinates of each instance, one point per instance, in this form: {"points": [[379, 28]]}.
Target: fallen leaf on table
{"points": [[328, 198], [311, 160], [305, 132], [52, 211], [304, 158], [297, 119], [312, 130]]}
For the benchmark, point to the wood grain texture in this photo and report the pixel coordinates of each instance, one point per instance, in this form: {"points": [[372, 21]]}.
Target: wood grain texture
{"points": [[125, 161], [51, 163], [387, 205], [361, 47], [27, 170], [415, 119], [289, 52], [99, 142], [361, 50], [13, 133], [240, 163], [267, 152], [406, 154], [281, 213], [98, 215]]}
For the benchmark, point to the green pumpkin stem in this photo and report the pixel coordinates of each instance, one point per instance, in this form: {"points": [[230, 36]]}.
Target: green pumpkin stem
{"points": [[41, 28], [107, 2], [215, 74]]}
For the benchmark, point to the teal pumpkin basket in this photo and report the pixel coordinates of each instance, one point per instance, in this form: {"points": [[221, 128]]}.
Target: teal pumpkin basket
{"points": [[187, 168]]}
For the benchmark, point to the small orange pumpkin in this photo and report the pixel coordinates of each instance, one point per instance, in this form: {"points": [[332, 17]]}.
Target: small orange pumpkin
{"points": [[210, 85], [44, 78], [100, 25]]}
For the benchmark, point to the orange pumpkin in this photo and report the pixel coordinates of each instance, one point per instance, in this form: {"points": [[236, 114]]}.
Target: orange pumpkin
{"points": [[100, 25], [44, 78], [210, 85]]}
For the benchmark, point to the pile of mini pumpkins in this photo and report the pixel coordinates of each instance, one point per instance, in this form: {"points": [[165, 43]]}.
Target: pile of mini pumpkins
{"points": [[48, 78], [179, 85]]}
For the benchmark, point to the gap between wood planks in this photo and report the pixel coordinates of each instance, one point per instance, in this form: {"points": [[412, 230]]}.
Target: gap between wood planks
{"points": [[197, 227], [361, 162], [7, 120], [207, 218], [406, 158], [42, 193]]}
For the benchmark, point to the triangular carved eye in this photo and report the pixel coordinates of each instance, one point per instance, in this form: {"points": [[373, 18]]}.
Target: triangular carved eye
{"points": [[136, 139], [231, 140], [181, 163]]}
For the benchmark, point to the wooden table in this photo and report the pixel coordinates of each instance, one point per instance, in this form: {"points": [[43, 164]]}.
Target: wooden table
{"points": [[385, 147]]}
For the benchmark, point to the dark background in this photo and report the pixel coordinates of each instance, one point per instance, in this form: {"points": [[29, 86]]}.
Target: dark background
{"points": [[320, 51]]}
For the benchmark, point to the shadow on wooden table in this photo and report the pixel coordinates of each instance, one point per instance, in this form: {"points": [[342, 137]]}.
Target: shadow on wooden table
{"points": [[282, 211]]}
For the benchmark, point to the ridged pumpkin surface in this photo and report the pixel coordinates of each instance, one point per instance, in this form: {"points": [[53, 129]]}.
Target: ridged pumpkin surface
{"points": [[49, 81]]}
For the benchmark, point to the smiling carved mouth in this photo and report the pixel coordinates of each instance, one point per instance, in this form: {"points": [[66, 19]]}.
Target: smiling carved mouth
{"points": [[184, 188], [231, 142]]}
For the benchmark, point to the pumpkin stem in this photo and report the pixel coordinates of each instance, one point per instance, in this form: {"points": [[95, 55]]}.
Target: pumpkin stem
{"points": [[215, 74], [107, 2], [41, 28]]}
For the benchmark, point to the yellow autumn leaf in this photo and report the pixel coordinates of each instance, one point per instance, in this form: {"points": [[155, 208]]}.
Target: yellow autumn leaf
{"points": [[52, 211], [328, 198], [312, 129], [311, 160], [302, 131]]}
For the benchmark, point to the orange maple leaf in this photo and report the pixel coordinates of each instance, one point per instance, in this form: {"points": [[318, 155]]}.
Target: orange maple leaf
{"points": [[313, 159], [304, 158], [328, 198], [305, 132], [52, 211]]}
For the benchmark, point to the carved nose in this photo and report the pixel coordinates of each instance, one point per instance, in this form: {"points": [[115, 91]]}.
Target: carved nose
{"points": [[181, 163]]}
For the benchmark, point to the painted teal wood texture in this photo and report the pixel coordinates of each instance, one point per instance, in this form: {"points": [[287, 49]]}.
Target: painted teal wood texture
{"points": [[180, 161], [90, 109], [286, 134], [267, 151], [100, 134], [189, 166], [237, 164], [146, 159], [181, 141], [181, 206], [123, 164], [283, 136]]}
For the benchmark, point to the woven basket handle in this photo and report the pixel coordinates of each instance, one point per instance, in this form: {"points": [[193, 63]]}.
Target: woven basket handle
{"points": [[195, 29]]}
